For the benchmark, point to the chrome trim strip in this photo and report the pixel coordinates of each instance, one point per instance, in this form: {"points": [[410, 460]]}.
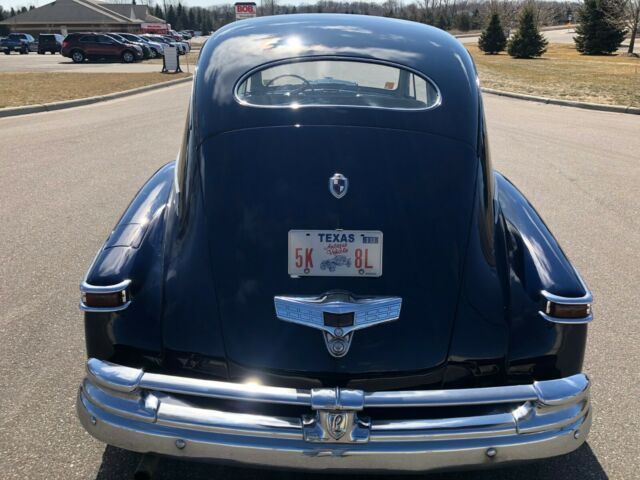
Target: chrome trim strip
{"points": [[548, 392], [586, 299], [224, 390], [118, 287], [567, 321], [122, 287], [453, 397]]}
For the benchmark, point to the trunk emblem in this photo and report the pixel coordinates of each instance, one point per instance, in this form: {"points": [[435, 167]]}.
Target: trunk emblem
{"points": [[338, 185], [338, 315]]}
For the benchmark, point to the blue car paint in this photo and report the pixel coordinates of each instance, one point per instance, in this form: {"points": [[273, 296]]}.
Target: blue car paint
{"points": [[209, 258]]}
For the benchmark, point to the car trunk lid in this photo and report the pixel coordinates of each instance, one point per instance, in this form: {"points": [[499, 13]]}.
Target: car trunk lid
{"points": [[415, 188]]}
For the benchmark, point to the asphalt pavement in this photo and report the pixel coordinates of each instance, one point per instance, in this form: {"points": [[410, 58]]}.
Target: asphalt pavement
{"points": [[57, 63], [66, 176]]}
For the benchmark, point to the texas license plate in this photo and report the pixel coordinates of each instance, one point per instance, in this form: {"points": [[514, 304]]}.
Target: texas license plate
{"points": [[335, 253]]}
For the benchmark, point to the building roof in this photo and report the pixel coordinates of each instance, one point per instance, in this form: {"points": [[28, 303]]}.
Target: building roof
{"points": [[137, 12], [69, 12]]}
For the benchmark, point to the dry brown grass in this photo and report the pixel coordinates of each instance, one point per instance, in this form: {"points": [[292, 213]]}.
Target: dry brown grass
{"points": [[18, 89], [563, 73]]}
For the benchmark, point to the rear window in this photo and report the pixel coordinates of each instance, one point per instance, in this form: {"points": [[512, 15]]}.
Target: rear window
{"points": [[337, 83]]}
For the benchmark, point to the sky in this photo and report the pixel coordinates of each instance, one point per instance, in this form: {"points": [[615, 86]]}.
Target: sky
{"points": [[7, 4]]}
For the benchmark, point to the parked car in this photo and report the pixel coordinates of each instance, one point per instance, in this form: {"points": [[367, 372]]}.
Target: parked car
{"points": [[212, 330], [49, 42], [168, 41], [146, 51], [82, 46], [156, 49], [183, 46], [17, 42], [175, 35]]}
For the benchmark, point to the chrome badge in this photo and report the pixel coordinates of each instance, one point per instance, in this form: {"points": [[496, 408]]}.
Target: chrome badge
{"points": [[337, 423], [338, 315], [338, 185]]}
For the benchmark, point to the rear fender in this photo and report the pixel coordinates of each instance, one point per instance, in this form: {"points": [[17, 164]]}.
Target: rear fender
{"points": [[133, 252], [538, 348]]}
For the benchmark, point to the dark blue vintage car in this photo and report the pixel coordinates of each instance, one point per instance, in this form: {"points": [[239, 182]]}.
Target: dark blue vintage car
{"points": [[453, 337]]}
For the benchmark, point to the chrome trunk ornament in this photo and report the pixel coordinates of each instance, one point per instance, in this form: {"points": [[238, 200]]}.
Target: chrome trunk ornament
{"points": [[338, 314]]}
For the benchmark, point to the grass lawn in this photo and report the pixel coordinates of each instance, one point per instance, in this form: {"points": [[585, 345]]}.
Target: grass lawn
{"points": [[564, 73], [17, 89]]}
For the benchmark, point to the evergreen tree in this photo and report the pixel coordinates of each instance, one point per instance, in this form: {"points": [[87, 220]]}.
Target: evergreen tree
{"points": [[207, 25], [171, 16], [4, 29], [527, 42], [442, 23], [463, 22], [597, 33], [157, 12], [492, 39]]}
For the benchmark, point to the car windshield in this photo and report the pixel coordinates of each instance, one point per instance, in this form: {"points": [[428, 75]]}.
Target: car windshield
{"points": [[337, 83]]}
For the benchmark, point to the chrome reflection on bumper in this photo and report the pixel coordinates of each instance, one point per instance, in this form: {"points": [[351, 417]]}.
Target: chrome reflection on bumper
{"points": [[344, 430]]}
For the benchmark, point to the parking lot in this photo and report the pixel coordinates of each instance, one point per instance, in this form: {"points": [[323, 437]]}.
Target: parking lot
{"points": [[57, 63], [63, 192]]}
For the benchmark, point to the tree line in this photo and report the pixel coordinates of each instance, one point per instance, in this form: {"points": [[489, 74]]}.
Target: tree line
{"points": [[600, 29], [452, 15], [602, 24]]}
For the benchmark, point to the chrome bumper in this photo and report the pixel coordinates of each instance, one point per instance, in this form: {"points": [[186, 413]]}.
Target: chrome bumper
{"points": [[343, 430]]}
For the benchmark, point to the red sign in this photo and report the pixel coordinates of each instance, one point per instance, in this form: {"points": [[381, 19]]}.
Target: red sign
{"points": [[245, 10], [161, 28]]}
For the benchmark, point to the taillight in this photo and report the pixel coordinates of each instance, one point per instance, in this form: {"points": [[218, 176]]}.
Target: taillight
{"points": [[65, 44]]}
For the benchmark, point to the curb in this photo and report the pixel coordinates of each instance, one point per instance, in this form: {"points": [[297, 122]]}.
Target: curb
{"points": [[50, 107], [566, 103]]}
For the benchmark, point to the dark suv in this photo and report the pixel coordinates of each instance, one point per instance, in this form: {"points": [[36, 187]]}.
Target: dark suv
{"points": [[49, 42], [82, 46]]}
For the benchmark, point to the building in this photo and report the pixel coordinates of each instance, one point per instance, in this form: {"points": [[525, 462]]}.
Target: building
{"points": [[66, 16]]}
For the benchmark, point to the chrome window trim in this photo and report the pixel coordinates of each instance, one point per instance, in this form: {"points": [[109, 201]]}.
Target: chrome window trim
{"points": [[311, 58]]}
